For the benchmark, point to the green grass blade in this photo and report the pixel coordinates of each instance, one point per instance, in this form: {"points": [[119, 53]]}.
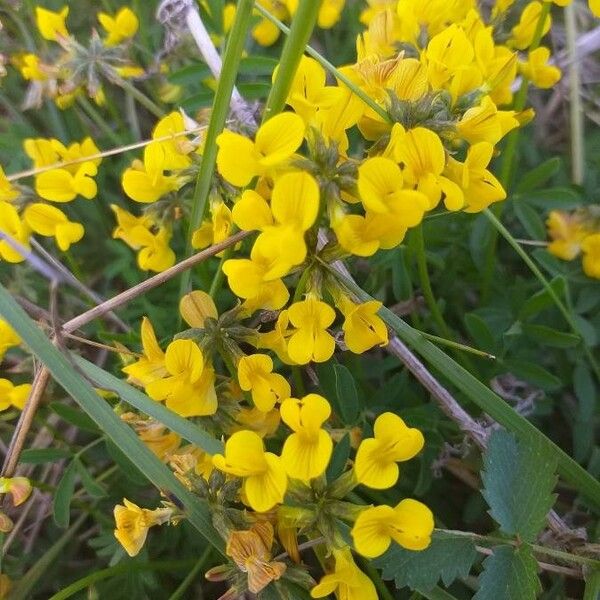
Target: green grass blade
{"points": [[482, 396], [329, 67], [302, 27], [185, 428], [220, 110], [109, 423]]}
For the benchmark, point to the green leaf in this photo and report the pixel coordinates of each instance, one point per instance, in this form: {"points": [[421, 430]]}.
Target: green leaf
{"points": [[185, 428], [538, 175], [480, 332], [531, 221], [339, 457], [257, 66], [346, 394], [551, 337], [190, 74], [518, 480], [584, 426], [92, 487], [447, 558], [109, 423], [533, 373], [61, 505], [592, 586], [552, 198], [75, 416], [508, 574], [38, 456], [542, 299]]}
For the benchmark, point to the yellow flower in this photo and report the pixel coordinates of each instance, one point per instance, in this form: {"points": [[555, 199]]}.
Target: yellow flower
{"points": [[485, 123], [591, 255], [479, 186], [18, 487], [16, 229], [52, 222], [347, 581], [276, 340], [375, 465], [146, 182], [311, 341], [176, 150], [216, 229], [161, 442], [132, 524], [363, 328], [265, 479], [309, 93], [263, 423], [595, 7], [423, 158], [154, 251], [380, 184], [13, 395], [264, 32], [196, 307], [8, 338], [50, 24], [567, 233], [151, 365], [255, 374], [409, 524], [60, 185], [240, 159], [122, 26], [307, 451], [31, 68], [43, 152], [8, 192], [537, 69], [189, 387], [522, 33], [251, 552], [126, 223]]}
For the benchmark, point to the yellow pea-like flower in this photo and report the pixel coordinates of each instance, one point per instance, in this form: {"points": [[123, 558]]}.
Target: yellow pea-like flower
{"points": [[216, 229], [537, 69], [8, 192], [50, 24], [13, 395], [177, 149], [122, 26], [363, 328], [16, 229], [50, 221], [8, 338], [311, 341], [410, 524], [523, 32], [265, 479], [485, 123], [347, 581], [31, 68], [255, 375], [591, 255], [307, 451], [196, 307], [151, 365], [239, 159], [264, 32], [567, 232], [189, 388], [126, 223], [375, 465], [18, 487], [132, 524], [60, 185]]}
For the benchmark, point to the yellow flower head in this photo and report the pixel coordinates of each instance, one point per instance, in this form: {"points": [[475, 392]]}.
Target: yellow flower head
{"points": [[240, 159], [60, 185], [52, 222], [154, 253], [31, 68], [13, 395], [196, 307], [216, 229], [16, 229], [375, 465], [311, 341], [307, 451], [485, 123], [151, 366], [347, 581], [363, 328], [133, 522], [591, 255], [122, 26], [18, 487], [255, 374], [126, 223], [189, 387], [50, 24], [177, 149], [263, 423], [265, 479], [567, 232], [523, 32], [251, 552], [8, 192], [409, 524], [8, 338], [537, 69]]}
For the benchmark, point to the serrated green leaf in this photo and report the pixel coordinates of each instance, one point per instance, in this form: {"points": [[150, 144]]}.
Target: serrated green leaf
{"points": [[518, 479], [38, 456], [92, 487], [509, 574], [346, 393], [447, 558], [542, 299], [61, 504], [75, 416], [551, 337]]}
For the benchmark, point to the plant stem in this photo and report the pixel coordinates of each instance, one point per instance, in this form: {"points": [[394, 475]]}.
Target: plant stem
{"points": [[97, 119], [156, 110], [220, 110], [189, 579], [302, 27]]}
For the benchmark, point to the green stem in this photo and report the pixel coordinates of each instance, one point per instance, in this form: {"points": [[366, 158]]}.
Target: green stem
{"points": [[220, 110], [457, 345], [96, 117], [551, 292], [126, 566], [156, 110], [357, 91], [508, 161], [480, 394], [215, 286], [302, 27], [189, 579]]}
